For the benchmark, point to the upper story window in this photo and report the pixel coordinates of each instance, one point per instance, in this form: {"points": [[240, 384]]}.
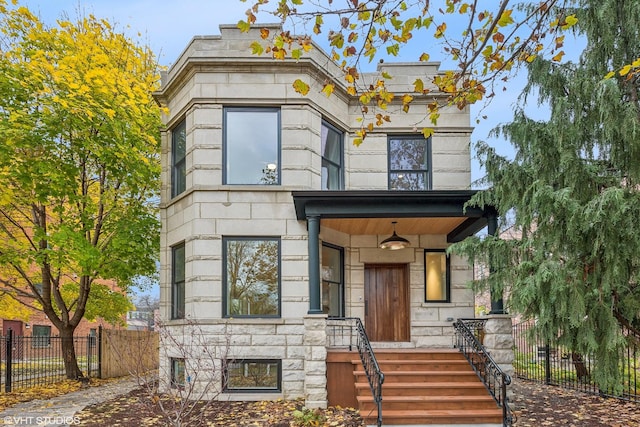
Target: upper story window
{"points": [[251, 276], [251, 146], [409, 163], [179, 158], [177, 281], [331, 146]]}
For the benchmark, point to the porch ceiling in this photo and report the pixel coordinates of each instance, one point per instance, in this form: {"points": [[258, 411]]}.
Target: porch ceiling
{"points": [[405, 226], [417, 212]]}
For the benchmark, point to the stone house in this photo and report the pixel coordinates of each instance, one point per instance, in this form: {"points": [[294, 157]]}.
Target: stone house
{"points": [[272, 220]]}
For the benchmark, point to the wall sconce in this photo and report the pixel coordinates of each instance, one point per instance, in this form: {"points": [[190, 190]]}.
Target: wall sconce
{"points": [[394, 242]]}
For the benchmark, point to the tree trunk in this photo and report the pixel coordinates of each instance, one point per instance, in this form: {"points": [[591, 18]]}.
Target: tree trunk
{"points": [[581, 370], [69, 354]]}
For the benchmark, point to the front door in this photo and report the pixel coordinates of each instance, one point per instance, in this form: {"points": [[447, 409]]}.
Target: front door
{"points": [[14, 325], [386, 293]]}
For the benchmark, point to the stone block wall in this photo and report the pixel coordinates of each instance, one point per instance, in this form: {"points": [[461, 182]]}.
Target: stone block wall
{"points": [[299, 344]]}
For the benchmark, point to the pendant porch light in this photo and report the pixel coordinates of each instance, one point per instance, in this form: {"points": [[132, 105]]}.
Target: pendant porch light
{"points": [[394, 242]]}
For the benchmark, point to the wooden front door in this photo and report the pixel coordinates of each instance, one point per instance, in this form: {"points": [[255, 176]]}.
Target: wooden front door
{"points": [[386, 293]]}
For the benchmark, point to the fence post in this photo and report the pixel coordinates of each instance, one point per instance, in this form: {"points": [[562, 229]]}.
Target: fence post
{"points": [[547, 363], [100, 336], [89, 356], [9, 363]]}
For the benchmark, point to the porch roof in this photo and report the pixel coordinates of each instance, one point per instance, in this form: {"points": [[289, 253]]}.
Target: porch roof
{"points": [[441, 210]]}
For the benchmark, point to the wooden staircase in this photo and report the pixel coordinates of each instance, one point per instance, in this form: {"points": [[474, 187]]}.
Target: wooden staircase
{"points": [[426, 387]]}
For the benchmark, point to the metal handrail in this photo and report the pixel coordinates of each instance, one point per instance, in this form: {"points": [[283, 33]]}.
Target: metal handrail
{"points": [[496, 381], [371, 368]]}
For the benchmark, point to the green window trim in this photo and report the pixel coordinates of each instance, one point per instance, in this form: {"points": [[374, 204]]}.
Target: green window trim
{"points": [[409, 163], [251, 146], [178, 372], [251, 277], [179, 159], [253, 376], [332, 151], [178, 265]]}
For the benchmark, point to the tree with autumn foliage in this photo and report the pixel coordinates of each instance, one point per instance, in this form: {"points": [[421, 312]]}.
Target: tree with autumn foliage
{"points": [[487, 41], [573, 191], [573, 187], [79, 168]]}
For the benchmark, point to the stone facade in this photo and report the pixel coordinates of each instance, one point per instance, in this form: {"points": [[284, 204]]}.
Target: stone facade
{"points": [[217, 72]]}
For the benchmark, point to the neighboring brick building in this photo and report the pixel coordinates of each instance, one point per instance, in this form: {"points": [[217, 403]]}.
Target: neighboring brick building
{"points": [[39, 324], [273, 221]]}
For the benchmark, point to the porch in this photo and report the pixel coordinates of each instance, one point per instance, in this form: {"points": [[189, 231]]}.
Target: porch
{"points": [[359, 221]]}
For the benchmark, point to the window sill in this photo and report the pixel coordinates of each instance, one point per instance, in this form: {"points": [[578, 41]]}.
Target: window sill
{"points": [[254, 320], [259, 395], [437, 304]]}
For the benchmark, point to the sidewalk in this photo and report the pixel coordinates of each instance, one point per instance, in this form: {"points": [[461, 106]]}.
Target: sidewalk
{"points": [[60, 411]]}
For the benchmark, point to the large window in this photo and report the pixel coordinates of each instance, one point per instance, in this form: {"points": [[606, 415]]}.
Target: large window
{"points": [[332, 281], [251, 276], [177, 281], [436, 271], [251, 146], [41, 336], [331, 146], [409, 163], [253, 375], [178, 158]]}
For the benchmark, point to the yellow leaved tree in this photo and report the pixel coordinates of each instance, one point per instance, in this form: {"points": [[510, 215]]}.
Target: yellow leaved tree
{"points": [[79, 168]]}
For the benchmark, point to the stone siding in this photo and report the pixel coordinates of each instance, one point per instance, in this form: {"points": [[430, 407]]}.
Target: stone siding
{"points": [[219, 71]]}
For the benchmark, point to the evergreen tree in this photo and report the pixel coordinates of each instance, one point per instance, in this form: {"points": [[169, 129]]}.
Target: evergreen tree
{"points": [[573, 190]]}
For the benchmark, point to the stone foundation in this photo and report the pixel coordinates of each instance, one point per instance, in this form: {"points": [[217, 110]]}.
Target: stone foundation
{"points": [[315, 380]]}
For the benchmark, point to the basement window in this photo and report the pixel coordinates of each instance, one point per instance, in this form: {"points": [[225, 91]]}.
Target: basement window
{"points": [[177, 373], [253, 376]]}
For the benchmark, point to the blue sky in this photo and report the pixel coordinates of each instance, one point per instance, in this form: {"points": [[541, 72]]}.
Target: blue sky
{"points": [[168, 26]]}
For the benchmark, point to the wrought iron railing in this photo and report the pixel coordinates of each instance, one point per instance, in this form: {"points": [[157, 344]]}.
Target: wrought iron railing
{"points": [[550, 363], [349, 331], [469, 334]]}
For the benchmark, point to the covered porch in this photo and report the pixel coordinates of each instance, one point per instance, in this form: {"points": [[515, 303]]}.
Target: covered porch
{"points": [[430, 220]]}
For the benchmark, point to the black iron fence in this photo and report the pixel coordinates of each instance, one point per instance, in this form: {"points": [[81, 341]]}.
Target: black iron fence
{"points": [[32, 361], [548, 363]]}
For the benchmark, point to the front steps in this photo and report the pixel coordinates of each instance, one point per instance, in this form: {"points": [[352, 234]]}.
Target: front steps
{"points": [[426, 387]]}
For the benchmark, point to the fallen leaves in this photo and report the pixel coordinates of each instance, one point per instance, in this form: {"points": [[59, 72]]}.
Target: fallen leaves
{"points": [[134, 409], [45, 392], [539, 405]]}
